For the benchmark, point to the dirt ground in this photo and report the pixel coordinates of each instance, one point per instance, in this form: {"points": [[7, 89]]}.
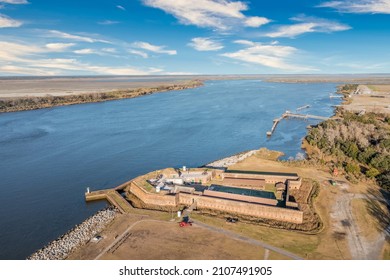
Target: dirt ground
{"points": [[136, 237], [377, 101]]}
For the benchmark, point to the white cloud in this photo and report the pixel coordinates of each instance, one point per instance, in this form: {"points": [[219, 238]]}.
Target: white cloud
{"points": [[245, 42], [101, 52], [9, 22], [63, 35], [14, 1], [29, 59], [138, 52], [274, 56], [218, 14], [109, 50], [360, 6], [59, 47], [205, 44], [85, 51], [153, 48], [12, 69], [256, 21], [307, 25], [10, 51], [121, 7], [108, 22]]}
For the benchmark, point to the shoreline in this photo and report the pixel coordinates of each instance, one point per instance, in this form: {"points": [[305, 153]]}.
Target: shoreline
{"points": [[79, 235], [26, 103]]}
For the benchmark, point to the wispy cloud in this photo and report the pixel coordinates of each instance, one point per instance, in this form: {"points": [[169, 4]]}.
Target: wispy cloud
{"points": [[14, 1], [270, 55], [102, 52], [10, 51], [85, 51], [9, 22], [59, 47], [139, 53], [109, 50], [307, 25], [121, 7], [63, 35], [29, 59], [108, 22], [217, 14], [153, 48], [25, 70], [205, 44], [359, 6]]}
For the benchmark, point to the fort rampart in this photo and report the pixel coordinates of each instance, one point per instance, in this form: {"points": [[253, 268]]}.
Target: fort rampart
{"points": [[217, 204]]}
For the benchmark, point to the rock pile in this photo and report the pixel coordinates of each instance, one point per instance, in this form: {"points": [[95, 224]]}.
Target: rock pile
{"points": [[60, 248], [225, 162]]}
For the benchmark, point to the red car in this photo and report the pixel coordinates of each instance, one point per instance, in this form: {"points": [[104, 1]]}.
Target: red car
{"points": [[185, 224]]}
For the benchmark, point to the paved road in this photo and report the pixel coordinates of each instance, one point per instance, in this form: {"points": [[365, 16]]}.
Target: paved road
{"points": [[248, 240]]}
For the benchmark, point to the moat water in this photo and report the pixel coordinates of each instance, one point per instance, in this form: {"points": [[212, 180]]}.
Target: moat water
{"points": [[49, 157]]}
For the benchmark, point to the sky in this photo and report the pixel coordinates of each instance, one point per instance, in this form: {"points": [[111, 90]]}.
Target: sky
{"points": [[174, 37]]}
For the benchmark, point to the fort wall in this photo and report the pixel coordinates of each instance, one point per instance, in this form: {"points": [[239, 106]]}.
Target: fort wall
{"points": [[242, 182], [218, 204], [246, 198], [269, 179]]}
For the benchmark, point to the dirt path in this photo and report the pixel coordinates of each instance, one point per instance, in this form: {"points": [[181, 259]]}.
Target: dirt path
{"points": [[249, 240], [344, 222], [120, 239]]}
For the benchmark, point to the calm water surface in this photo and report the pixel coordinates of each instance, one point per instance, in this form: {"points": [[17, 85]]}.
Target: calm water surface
{"points": [[48, 157]]}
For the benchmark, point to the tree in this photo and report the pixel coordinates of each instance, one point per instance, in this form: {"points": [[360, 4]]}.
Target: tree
{"points": [[352, 168], [372, 172]]}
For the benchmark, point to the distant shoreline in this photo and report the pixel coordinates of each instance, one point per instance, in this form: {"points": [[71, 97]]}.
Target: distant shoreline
{"points": [[31, 93], [15, 104]]}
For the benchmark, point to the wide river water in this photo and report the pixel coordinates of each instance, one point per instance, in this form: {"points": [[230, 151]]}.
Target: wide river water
{"points": [[49, 157]]}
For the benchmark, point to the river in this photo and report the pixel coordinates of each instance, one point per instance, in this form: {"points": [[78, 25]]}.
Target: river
{"points": [[49, 157]]}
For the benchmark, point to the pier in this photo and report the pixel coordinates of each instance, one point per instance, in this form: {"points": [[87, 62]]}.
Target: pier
{"points": [[288, 114], [113, 197], [303, 107]]}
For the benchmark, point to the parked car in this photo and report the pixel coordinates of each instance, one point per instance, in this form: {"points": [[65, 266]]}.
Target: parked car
{"points": [[232, 220]]}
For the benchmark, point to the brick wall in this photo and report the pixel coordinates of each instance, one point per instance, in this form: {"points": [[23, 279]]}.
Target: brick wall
{"points": [[239, 182], [241, 197], [270, 179], [219, 204]]}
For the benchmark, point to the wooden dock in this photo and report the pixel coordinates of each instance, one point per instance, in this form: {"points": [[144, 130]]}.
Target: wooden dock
{"points": [[288, 114], [302, 116], [113, 197], [276, 121], [303, 107]]}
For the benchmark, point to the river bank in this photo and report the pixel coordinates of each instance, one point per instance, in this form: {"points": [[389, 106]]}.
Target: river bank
{"points": [[14, 104], [60, 248]]}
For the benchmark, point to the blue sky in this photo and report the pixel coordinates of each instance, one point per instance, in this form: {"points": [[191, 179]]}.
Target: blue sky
{"points": [[157, 37]]}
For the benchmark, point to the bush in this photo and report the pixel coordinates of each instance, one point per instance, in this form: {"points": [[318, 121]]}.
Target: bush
{"points": [[352, 168], [384, 180], [372, 172]]}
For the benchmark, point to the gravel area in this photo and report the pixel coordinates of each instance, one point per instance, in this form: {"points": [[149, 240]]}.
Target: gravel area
{"points": [[228, 161]]}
